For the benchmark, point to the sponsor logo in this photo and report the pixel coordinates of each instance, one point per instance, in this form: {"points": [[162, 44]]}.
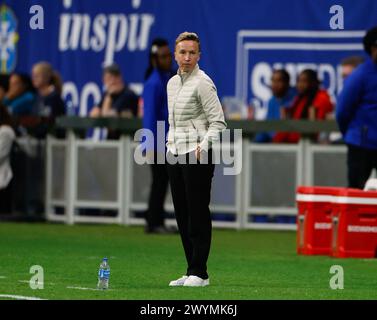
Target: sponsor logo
{"points": [[259, 52], [8, 39], [322, 226], [108, 33], [362, 229]]}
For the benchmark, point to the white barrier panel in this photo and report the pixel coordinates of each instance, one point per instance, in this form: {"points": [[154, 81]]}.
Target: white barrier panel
{"points": [[104, 176], [271, 173]]}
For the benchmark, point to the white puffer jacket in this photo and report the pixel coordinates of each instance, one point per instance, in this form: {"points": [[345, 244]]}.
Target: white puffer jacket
{"points": [[7, 136], [195, 113]]}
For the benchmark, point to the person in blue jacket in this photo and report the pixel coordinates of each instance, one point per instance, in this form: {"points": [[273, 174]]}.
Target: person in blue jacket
{"points": [[20, 97], [156, 109], [356, 114], [282, 97]]}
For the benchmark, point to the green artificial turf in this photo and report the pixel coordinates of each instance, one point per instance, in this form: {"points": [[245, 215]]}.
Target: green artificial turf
{"points": [[242, 265]]}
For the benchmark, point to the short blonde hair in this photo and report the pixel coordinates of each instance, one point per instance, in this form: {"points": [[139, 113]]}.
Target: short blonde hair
{"points": [[188, 36], [51, 76]]}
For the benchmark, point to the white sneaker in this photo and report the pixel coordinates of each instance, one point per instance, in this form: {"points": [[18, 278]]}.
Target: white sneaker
{"points": [[194, 281], [178, 282]]}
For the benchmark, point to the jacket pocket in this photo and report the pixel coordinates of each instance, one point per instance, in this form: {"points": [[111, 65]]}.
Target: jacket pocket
{"points": [[200, 128], [198, 125]]}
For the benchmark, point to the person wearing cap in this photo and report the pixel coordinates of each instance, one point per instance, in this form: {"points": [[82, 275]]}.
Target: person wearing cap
{"points": [[356, 114], [118, 99], [196, 119], [155, 105]]}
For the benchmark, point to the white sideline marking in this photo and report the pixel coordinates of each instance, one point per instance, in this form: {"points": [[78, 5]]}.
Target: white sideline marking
{"points": [[82, 288], [92, 289], [26, 281], [2, 277], [42, 283], [19, 297]]}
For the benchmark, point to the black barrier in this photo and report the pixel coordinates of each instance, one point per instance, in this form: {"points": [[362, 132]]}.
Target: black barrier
{"points": [[249, 127]]}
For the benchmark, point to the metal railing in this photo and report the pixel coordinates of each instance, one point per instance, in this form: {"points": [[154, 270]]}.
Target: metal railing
{"points": [[82, 174]]}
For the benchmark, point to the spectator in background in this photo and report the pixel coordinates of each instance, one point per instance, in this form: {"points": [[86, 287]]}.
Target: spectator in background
{"points": [[347, 65], [356, 115], [118, 99], [282, 96], [156, 109], [49, 104], [20, 97], [311, 103], [4, 85], [49, 88], [7, 137]]}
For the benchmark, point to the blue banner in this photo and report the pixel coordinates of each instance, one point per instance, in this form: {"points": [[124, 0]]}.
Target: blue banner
{"points": [[242, 41]]}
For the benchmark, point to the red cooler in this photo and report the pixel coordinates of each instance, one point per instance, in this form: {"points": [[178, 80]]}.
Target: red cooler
{"points": [[314, 224], [354, 221]]}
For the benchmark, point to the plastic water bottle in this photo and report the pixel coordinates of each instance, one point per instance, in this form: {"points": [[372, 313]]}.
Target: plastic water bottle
{"points": [[103, 275], [71, 111]]}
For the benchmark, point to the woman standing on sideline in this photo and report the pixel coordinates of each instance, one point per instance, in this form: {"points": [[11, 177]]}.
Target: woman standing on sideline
{"points": [[196, 119]]}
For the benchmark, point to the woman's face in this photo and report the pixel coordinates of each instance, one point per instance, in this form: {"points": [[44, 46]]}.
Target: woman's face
{"points": [[16, 86], [187, 55], [38, 78], [303, 84], [278, 86]]}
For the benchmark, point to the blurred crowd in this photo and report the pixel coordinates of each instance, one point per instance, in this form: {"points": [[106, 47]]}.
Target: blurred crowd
{"points": [[26, 102], [25, 97], [39, 96], [307, 100]]}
